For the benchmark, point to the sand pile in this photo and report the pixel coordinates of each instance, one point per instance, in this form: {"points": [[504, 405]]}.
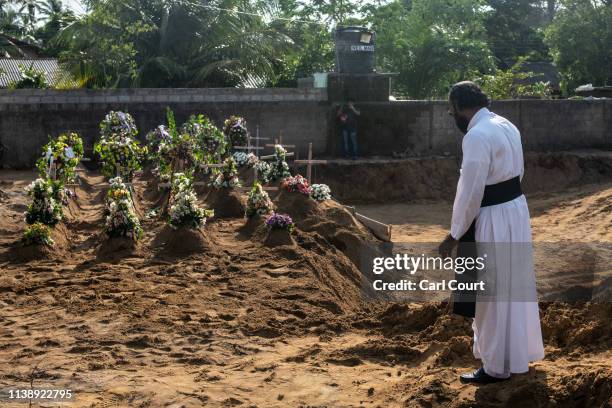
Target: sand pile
{"points": [[339, 227], [178, 242], [227, 203], [61, 244]]}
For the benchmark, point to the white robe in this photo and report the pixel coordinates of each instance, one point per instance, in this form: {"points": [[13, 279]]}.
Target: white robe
{"points": [[507, 333]]}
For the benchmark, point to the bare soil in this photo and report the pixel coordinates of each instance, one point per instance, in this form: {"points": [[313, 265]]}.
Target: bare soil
{"points": [[232, 322]]}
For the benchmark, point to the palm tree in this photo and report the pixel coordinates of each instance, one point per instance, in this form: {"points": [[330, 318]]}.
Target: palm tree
{"points": [[11, 30], [164, 43], [56, 17]]}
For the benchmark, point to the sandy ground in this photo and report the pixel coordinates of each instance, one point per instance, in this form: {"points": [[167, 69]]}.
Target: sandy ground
{"points": [[245, 325]]}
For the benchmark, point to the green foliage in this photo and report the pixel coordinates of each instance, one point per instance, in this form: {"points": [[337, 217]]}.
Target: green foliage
{"points": [[65, 166], [30, 78], [430, 44], [211, 140], [515, 28], [37, 234], [170, 43], [512, 83], [46, 206], [580, 39]]}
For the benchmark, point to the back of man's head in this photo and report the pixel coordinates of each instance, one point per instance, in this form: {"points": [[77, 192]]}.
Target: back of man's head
{"points": [[467, 95]]}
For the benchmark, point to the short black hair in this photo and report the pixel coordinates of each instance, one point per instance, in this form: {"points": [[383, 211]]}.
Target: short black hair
{"points": [[467, 95]]}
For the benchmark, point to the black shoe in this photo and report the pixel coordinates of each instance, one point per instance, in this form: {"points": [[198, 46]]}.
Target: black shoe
{"points": [[480, 377]]}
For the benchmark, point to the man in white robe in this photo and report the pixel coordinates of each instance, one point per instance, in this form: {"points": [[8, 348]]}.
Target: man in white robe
{"points": [[507, 333]]}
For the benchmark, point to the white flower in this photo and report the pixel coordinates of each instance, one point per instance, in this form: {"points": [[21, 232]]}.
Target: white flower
{"points": [[320, 192]]}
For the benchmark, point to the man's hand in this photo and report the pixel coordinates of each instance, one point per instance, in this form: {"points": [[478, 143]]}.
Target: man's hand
{"points": [[447, 246]]}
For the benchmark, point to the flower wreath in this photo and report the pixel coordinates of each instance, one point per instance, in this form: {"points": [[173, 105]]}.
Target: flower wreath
{"points": [[66, 151], [120, 156], [280, 168], [121, 218], [185, 211], [211, 140], [46, 206], [258, 202], [118, 124], [235, 129]]}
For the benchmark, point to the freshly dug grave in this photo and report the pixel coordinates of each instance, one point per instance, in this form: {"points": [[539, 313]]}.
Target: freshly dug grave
{"points": [[171, 242], [331, 220], [116, 247], [21, 253], [227, 203]]}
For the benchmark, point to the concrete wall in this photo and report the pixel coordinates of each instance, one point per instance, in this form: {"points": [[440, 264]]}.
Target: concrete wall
{"points": [[28, 117], [425, 128]]}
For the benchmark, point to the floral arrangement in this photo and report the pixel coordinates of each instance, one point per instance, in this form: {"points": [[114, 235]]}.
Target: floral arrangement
{"points": [[37, 234], [121, 219], [280, 221], [226, 176], [258, 202], [280, 168], [46, 206], [245, 159], [118, 124], [263, 171], [66, 151], [185, 211], [121, 156], [174, 150], [210, 139], [320, 192], [119, 151], [296, 183], [182, 150], [156, 137], [118, 190], [235, 129]]}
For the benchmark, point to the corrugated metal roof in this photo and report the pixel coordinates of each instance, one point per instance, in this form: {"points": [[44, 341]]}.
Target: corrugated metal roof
{"points": [[10, 68]]}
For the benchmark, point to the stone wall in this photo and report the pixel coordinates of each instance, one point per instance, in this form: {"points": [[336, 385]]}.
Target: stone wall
{"points": [[29, 117], [422, 128]]}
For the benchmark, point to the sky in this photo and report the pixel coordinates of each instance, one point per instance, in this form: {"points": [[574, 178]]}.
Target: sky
{"points": [[75, 5]]}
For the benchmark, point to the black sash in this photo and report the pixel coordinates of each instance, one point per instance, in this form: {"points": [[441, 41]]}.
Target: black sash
{"points": [[464, 302]]}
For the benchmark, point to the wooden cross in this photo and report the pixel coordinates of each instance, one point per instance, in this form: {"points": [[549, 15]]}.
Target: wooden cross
{"points": [[249, 147], [272, 156], [248, 189], [309, 163], [279, 141]]}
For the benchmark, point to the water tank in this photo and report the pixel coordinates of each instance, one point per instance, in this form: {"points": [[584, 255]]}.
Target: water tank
{"points": [[354, 50]]}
